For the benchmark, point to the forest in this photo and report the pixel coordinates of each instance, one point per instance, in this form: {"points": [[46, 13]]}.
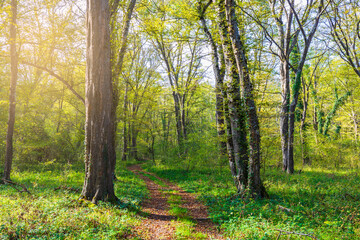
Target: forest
{"points": [[179, 119]]}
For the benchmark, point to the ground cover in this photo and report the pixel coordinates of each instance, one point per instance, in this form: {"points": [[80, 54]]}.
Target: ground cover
{"points": [[320, 203], [53, 211]]}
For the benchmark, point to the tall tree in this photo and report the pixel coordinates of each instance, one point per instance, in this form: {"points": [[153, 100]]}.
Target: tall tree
{"points": [[289, 22], [12, 97], [254, 181], [307, 38], [99, 123], [218, 63], [117, 62]]}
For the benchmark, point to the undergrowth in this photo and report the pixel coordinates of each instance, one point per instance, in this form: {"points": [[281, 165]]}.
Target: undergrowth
{"points": [[58, 214], [321, 203]]}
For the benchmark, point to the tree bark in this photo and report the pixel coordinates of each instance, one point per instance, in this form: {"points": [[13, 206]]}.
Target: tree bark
{"points": [[134, 152], [125, 130], [99, 123], [303, 135], [219, 72], [284, 112], [290, 166], [12, 96], [236, 113], [255, 185]]}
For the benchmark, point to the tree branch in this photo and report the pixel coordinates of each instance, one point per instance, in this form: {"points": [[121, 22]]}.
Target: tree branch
{"points": [[52, 73]]}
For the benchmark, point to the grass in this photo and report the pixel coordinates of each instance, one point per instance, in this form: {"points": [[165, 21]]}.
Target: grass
{"points": [[320, 202], [185, 229], [50, 214]]}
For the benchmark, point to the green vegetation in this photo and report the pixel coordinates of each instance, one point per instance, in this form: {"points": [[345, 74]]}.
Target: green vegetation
{"points": [[185, 230], [319, 202], [219, 97], [58, 214]]}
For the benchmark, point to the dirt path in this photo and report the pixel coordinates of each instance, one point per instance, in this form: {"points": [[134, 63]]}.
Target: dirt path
{"points": [[160, 224]]}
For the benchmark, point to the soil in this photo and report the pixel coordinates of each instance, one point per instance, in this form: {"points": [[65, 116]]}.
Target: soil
{"points": [[158, 223]]}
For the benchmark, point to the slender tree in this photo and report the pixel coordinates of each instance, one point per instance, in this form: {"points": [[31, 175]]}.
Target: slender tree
{"points": [[117, 61], [12, 97], [218, 63]]}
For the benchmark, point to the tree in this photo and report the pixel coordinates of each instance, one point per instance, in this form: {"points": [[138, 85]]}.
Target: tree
{"points": [[218, 63], [117, 61], [181, 60], [12, 97], [287, 23], [99, 124], [254, 181]]}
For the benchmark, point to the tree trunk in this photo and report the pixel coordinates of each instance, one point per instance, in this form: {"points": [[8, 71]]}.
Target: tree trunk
{"points": [[134, 152], [255, 185], [12, 97], [354, 119], [219, 72], [284, 112], [178, 118], [125, 130], [183, 117], [116, 67], [230, 149], [293, 104], [303, 135], [99, 123], [235, 112]]}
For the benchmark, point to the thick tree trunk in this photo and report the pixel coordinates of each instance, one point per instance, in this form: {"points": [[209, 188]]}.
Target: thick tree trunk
{"points": [[236, 111], [99, 123], [12, 97], [255, 185], [238, 131]]}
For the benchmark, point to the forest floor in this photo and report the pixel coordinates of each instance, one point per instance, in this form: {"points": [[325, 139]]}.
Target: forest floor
{"points": [[166, 201], [171, 213]]}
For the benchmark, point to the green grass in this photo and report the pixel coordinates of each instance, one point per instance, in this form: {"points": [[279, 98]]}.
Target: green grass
{"points": [[185, 230], [155, 179], [323, 203], [50, 214]]}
